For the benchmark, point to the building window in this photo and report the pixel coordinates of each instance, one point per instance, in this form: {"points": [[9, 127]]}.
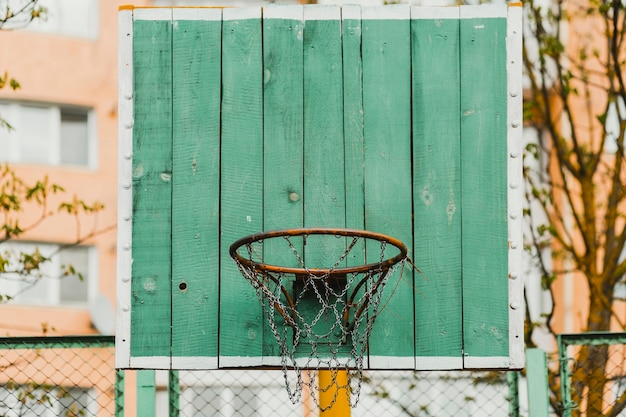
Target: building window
{"points": [[53, 284], [44, 400], [76, 18], [48, 135]]}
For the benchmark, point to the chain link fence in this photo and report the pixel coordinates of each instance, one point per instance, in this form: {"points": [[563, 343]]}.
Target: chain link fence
{"points": [[75, 376], [50, 376], [592, 374], [384, 393]]}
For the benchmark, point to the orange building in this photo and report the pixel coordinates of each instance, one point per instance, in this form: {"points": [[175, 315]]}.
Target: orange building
{"points": [[65, 126]]}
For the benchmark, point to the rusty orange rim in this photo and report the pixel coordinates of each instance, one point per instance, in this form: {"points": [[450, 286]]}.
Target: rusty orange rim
{"points": [[286, 233]]}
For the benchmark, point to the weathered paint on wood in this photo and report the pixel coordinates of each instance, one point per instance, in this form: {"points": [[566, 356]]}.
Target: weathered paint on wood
{"points": [[283, 130], [387, 154], [484, 182], [324, 184], [241, 325], [388, 119], [152, 189], [196, 59], [353, 124], [437, 184]]}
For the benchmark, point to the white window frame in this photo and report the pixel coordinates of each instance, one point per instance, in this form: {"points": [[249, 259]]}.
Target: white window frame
{"points": [[9, 405], [73, 18], [12, 285], [10, 139]]}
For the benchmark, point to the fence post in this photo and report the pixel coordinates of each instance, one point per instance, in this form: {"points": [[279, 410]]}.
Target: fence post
{"points": [[513, 379], [146, 393], [566, 393], [537, 382], [119, 393], [173, 391]]}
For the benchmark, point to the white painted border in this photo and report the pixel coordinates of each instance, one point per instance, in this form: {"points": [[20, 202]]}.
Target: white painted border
{"points": [[351, 11], [241, 13], [197, 13], [125, 198], [438, 363], [515, 185], [486, 362], [387, 12], [152, 13], [322, 12], [291, 11], [434, 13], [194, 362], [150, 362], [483, 11], [391, 362]]}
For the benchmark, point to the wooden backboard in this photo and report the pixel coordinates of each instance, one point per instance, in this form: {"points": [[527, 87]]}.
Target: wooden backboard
{"points": [[400, 120]]}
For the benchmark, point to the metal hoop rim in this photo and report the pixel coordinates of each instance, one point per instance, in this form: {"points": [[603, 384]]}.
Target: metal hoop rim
{"points": [[366, 234]]}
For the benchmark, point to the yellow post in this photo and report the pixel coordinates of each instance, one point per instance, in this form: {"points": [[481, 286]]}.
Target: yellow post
{"points": [[337, 393]]}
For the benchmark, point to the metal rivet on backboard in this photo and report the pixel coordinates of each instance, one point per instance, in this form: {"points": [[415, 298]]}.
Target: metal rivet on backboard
{"points": [[126, 246], [515, 123], [514, 154], [128, 155], [126, 279], [130, 124], [294, 196], [513, 245], [514, 93], [514, 305], [513, 216], [513, 275], [514, 185], [126, 186], [125, 307]]}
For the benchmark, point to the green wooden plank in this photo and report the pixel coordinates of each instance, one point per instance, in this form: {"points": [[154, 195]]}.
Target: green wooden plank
{"points": [[483, 177], [241, 319], [537, 382], [353, 124], [152, 171], [437, 185], [387, 147], [195, 181], [283, 29], [324, 186]]}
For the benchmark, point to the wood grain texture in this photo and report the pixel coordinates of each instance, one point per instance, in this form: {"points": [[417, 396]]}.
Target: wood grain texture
{"points": [[353, 126], [483, 176], [324, 185], [436, 93], [241, 320], [195, 182], [152, 189], [388, 192], [283, 132]]}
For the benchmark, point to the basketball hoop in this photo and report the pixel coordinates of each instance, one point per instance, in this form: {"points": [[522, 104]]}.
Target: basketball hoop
{"points": [[321, 316]]}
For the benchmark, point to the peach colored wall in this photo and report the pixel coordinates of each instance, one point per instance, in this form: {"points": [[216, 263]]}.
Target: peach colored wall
{"points": [[571, 292], [60, 69]]}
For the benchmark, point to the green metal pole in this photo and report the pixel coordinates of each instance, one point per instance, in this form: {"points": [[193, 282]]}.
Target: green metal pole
{"points": [[513, 379], [537, 381], [173, 390], [146, 393], [566, 393], [119, 393]]}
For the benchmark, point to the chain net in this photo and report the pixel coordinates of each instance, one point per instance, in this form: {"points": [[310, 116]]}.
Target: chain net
{"points": [[321, 321]]}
